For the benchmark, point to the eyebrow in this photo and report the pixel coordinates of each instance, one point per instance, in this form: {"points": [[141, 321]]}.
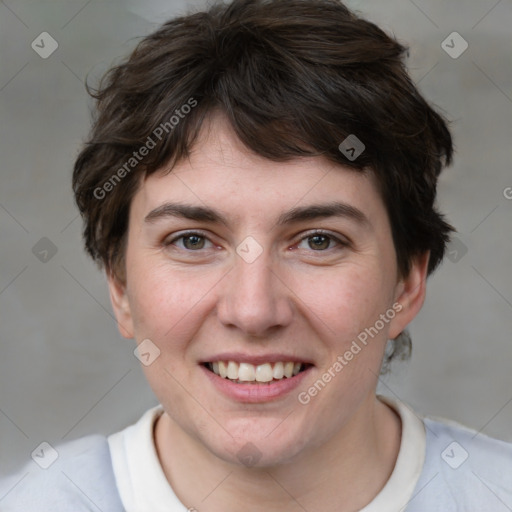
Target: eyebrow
{"points": [[297, 214]]}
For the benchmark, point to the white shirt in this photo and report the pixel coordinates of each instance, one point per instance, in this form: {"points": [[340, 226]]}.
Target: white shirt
{"points": [[442, 466], [143, 487]]}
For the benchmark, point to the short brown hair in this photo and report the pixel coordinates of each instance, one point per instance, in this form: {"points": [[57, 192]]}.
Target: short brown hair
{"points": [[294, 78]]}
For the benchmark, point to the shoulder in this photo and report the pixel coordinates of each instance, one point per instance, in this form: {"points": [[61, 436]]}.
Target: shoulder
{"points": [[78, 477], [463, 470], [452, 446]]}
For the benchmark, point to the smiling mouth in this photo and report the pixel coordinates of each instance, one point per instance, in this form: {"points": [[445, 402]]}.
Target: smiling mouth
{"points": [[246, 373]]}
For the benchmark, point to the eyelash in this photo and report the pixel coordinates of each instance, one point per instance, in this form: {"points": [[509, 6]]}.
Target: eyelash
{"points": [[316, 232]]}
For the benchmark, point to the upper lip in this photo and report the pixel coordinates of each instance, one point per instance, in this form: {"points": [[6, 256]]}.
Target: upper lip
{"points": [[239, 357]]}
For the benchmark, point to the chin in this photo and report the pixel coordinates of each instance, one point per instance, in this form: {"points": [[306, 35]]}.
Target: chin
{"points": [[257, 445]]}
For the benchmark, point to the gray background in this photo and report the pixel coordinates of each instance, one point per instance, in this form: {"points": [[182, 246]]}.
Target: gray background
{"points": [[64, 369]]}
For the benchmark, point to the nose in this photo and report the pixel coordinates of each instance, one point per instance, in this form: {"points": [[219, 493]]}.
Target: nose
{"points": [[254, 298]]}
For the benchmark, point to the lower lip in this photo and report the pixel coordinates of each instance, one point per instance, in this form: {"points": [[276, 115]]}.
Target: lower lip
{"points": [[256, 393]]}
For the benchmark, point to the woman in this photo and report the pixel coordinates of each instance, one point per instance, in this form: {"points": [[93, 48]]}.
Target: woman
{"points": [[260, 187]]}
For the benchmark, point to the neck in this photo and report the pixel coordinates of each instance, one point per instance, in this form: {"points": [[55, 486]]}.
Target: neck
{"points": [[349, 469]]}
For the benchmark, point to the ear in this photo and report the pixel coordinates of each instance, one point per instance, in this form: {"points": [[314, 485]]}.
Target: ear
{"points": [[121, 305], [410, 295]]}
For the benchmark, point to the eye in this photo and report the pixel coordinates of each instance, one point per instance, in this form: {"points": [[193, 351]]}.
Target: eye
{"points": [[321, 241], [190, 241]]}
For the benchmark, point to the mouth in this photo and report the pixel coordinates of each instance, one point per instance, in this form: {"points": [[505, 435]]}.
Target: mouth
{"points": [[259, 381], [247, 373]]}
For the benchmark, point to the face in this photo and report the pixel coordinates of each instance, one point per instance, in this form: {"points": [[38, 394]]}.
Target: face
{"points": [[238, 264]]}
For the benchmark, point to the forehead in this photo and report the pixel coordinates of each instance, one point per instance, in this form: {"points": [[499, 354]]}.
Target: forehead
{"points": [[222, 173]]}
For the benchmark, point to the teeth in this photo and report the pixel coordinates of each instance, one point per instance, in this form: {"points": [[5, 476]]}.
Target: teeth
{"points": [[246, 372], [278, 371], [263, 372], [223, 370], [232, 370]]}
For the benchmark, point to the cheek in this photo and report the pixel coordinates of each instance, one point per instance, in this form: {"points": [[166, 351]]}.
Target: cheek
{"points": [[166, 304], [168, 307], [345, 306], [345, 301]]}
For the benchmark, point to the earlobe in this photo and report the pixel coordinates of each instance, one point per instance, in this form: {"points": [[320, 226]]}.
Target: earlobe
{"points": [[410, 295], [120, 305]]}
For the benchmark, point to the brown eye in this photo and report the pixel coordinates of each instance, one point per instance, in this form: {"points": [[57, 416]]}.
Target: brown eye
{"points": [[192, 242], [319, 242]]}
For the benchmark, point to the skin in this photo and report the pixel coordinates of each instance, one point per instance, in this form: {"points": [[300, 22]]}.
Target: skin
{"points": [[336, 452]]}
